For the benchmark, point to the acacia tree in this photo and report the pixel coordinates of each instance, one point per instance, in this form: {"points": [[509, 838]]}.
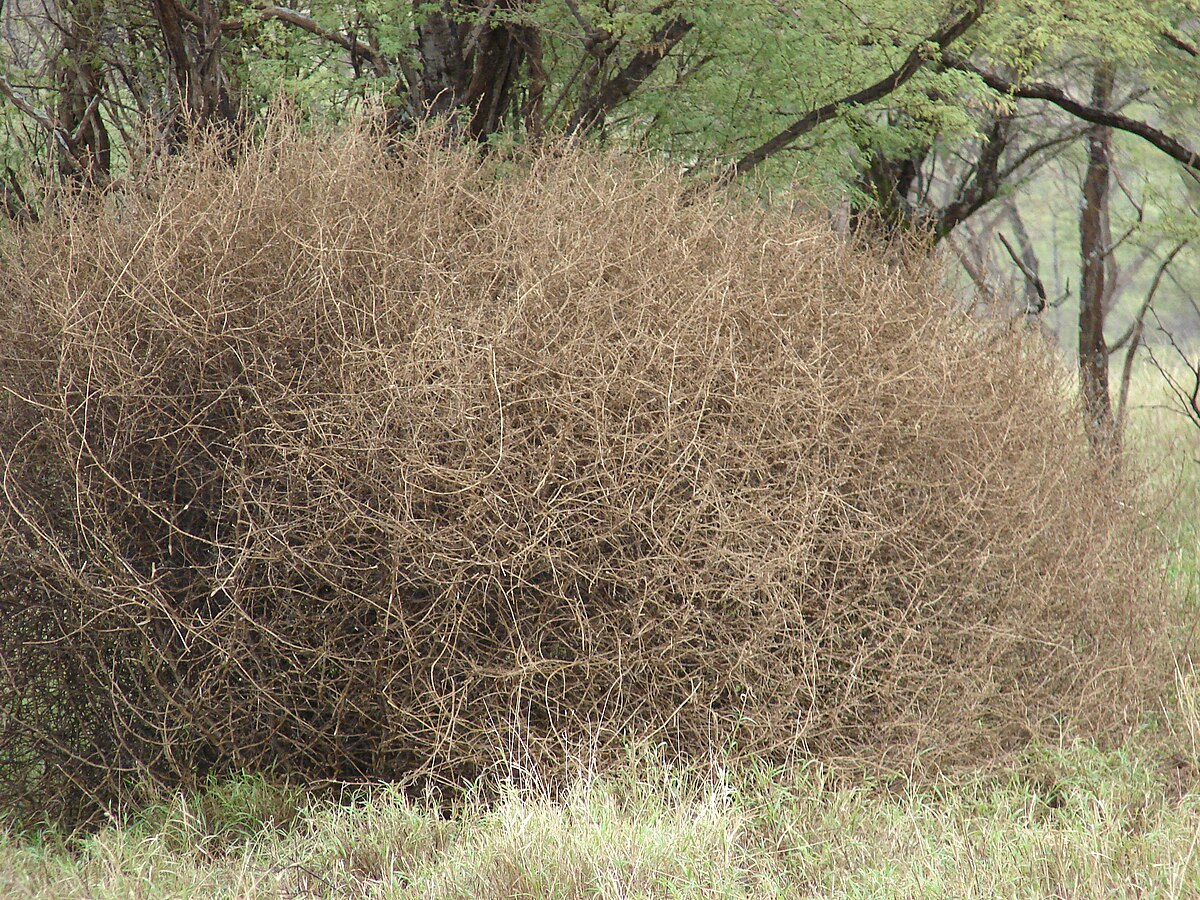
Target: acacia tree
{"points": [[193, 41]]}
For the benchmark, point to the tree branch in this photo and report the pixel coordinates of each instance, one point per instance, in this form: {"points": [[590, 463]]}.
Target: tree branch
{"points": [[27, 108], [1030, 276], [974, 270], [913, 63], [630, 78], [1179, 42], [1038, 90], [1188, 396], [982, 185], [56, 134], [1057, 144], [194, 19], [351, 44]]}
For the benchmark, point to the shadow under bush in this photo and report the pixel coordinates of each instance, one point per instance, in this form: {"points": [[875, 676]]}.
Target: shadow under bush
{"points": [[356, 465]]}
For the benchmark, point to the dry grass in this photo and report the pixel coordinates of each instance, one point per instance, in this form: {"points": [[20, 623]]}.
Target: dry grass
{"points": [[1071, 822], [355, 465]]}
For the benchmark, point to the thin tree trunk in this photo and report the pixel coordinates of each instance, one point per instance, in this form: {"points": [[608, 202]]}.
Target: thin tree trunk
{"points": [[1093, 229], [443, 77], [80, 82]]}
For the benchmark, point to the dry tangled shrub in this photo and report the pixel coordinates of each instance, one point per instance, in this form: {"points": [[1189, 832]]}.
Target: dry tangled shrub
{"points": [[370, 465]]}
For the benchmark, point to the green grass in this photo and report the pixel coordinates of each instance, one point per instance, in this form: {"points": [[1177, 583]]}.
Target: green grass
{"points": [[1071, 821], [1167, 445], [1063, 822]]}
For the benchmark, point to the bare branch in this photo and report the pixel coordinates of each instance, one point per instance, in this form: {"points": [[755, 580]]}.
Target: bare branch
{"points": [[1188, 395], [41, 118], [1030, 275], [1056, 144], [16, 205], [60, 137], [974, 270], [1134, 335], [1179, 42]]}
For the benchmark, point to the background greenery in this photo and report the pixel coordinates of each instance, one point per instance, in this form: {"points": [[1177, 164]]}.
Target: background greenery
{"points": [[892, 115]]}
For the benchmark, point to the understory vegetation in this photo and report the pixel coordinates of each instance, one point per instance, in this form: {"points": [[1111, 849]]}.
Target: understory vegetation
{"points": [[1065, 820], [599, 448], [359, 459]]}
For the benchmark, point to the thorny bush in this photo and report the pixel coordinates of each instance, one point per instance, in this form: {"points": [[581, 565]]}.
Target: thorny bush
{"points": [[350, 462]]}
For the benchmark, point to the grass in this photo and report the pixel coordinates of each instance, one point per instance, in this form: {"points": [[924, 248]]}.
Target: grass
{"points": [[1167, 444], [1064, 822], [1059, 821]]}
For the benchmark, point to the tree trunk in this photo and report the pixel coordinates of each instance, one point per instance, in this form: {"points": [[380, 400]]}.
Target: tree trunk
{"points": [[442, 66], [1093, 230], [497, 57], [471, 55], [193, 44], [86, 150]]}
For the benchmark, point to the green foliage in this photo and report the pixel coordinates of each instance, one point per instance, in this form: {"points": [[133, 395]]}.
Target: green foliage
{"points": [[753, 68], [747, 69]]}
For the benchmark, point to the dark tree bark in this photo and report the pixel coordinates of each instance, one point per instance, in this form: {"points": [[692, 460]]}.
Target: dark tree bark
{"points": [[980, 186], [888, 182], [1093, 229], [443, 68], [482, 68], [594, 107], [1026, 260], [471, 55], [193, 44], [533, 107], [85, 147], [1097, 115], [495, 61]]}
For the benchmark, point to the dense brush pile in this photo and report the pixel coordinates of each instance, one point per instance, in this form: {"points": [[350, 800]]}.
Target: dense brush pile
{"points": [[407, 465]]}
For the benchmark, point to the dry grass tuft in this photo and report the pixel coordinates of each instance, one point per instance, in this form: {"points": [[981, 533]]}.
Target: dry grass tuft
{"points": [[412, 466]]}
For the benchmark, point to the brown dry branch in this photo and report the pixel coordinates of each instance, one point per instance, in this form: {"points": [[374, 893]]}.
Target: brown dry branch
{"points": [[356, 465]]}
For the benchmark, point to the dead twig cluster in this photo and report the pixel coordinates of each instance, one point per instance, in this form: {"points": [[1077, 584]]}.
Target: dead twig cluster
{"points": [[351, 462]]}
